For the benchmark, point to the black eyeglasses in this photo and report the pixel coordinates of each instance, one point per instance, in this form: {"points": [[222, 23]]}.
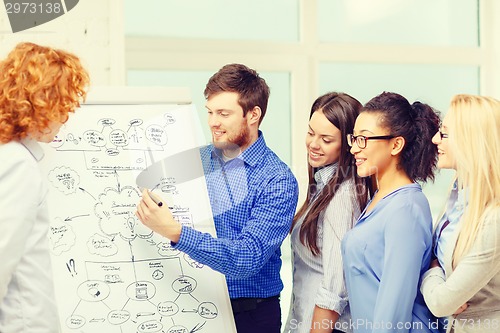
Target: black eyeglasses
{"points": [[361, 139], [443, 135]]}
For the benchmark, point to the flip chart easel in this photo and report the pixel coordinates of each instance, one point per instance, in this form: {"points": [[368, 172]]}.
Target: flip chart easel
{"points": [[111, 273]]}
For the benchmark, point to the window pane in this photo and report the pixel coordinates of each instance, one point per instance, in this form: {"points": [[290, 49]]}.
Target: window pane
{"points": [[408, 22], [276, 125], [431, 84], [275, 20]]}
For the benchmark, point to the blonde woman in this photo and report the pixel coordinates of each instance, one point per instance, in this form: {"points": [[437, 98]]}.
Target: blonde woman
{"points": [[464, 281]]}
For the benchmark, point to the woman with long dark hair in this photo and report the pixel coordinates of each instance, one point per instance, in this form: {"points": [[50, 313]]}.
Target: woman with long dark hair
{"points": [[334, 200]]}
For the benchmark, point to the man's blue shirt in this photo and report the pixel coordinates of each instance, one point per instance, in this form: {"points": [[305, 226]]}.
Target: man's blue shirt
{"points": [[253, 199]]}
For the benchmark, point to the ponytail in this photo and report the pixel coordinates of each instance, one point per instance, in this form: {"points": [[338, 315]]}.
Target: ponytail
{"points": [[417, 124], [420, 157]]}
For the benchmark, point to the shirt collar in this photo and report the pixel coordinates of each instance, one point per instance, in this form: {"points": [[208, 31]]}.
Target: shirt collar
{"points": [[34, 148], [323, 175], [458, 197]]}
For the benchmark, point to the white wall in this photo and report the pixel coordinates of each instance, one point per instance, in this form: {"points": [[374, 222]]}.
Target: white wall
{"points": [[93, 30], [305, 58], [367, 64], [490, 35]]}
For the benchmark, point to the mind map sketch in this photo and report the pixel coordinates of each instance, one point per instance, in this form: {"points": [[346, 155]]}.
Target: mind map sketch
{"points": [[111, 273]]}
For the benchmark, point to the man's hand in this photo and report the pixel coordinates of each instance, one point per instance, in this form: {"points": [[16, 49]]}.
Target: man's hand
{"points": [[158, 218]]}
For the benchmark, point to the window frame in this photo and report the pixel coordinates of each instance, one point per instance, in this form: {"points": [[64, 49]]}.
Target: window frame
{"points": [[302, 58]]}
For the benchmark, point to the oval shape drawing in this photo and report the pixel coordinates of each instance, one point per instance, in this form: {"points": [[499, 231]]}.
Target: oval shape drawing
{"points": [[106, 122], [208, 310], [177, 329], [118, 138], [118, 317], [94, 138], [157, 135], [58, 140], [168, 308], [136, 122], [112, 152], [150, 326], [166, 250], [169, 119], [141, 290], [168, 188], [75, 321], [93, 291], [184, 285]]}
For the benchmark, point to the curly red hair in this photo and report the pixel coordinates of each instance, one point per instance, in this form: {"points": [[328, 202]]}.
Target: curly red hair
{"points": [[38, 85]]}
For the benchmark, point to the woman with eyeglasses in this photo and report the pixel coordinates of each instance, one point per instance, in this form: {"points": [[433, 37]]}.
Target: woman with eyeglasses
{"points": [[464, 281], [390, 246], [334, 201]]}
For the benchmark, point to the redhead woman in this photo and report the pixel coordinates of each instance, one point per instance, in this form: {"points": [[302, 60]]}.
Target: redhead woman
{"points": [[39, 87]]}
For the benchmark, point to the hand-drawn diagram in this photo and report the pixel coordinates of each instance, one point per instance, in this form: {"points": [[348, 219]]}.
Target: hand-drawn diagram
{"points": [[113, 274]]}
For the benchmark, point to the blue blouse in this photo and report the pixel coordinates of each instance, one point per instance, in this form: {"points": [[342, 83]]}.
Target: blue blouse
{"points": [[385, 255], [452, 215]]}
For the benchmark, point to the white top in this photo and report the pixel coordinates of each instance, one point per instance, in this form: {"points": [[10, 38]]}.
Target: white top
{"points": [[27, 300], [475, 280], [319, 280]]}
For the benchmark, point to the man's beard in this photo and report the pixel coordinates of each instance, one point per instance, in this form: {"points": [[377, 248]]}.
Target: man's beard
{"points": [[235, 142]]}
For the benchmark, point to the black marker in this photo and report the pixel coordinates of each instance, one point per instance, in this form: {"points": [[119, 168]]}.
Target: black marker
{"points": [[154, 198]]}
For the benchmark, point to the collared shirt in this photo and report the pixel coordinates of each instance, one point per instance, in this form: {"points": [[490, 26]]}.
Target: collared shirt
{"points": [[27, 300], [453, 213], [385, 255], [253, 199], [319, 280]]}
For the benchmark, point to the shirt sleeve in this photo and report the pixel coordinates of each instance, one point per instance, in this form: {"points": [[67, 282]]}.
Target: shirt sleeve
{"points": [[407, 237], [338, 218], [19, 178], [443, 295], [267, 226]]}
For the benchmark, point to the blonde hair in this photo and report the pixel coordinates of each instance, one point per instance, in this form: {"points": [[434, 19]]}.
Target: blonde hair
{"points": [[38, 85], [474, 129]]}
